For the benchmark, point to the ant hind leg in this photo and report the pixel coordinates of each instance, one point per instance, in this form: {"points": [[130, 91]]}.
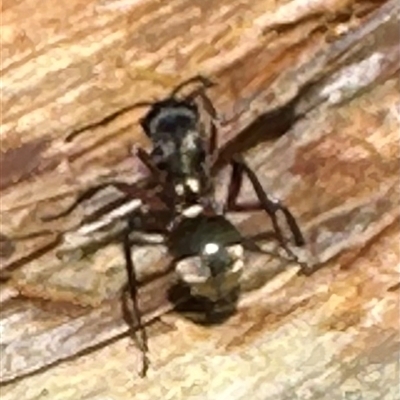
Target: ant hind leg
{"points": [[270, 206]]}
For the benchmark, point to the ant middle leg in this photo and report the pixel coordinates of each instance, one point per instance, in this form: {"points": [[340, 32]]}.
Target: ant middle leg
{"points": [[126, 188], [131, 190], [149, 161]]}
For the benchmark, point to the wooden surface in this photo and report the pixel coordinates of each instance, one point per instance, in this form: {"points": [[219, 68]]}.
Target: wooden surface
{"points": [[323, 73]]}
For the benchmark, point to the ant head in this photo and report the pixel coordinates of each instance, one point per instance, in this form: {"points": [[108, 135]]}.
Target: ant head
{"points": [[169, 116], [176, 112]]}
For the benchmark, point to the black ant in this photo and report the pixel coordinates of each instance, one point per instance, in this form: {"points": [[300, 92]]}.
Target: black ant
{"points": [[182, 159], [181, 178]]}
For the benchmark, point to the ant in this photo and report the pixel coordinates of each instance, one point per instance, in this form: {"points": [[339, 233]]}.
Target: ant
{"points": [[182, 162], [182, 170]]}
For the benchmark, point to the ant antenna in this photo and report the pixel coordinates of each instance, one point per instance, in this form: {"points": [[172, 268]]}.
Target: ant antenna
{"points": [[106, 120], [198, 92], [205, 82]]}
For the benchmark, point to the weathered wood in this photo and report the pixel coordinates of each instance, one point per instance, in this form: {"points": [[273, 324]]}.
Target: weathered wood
{"points": [[334, 335], [336, 169]]}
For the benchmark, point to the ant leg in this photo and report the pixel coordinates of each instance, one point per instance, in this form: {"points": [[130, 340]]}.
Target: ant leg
{"points": [[235, 184], [249, 243], [213, 144], [205, 82], [84, 196], [123, 187], [148, 161], [132, 286], [270, 206]]}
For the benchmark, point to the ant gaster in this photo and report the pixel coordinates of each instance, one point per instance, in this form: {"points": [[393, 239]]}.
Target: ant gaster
{"points": [[208, 256]]}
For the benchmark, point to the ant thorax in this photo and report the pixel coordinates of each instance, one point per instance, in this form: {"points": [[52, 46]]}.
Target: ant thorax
{"points": [[183, 158]]}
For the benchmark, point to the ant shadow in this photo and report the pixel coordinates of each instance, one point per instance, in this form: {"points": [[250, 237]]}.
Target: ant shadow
{"points": [[202, 310]]}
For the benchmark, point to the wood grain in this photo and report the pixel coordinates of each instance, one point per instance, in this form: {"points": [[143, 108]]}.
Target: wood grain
{"points": [[322, 73]]}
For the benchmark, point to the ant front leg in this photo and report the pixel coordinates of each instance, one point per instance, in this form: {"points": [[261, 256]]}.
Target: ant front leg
{"points": [[149, 161], [270, 206], [121, 186]]}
